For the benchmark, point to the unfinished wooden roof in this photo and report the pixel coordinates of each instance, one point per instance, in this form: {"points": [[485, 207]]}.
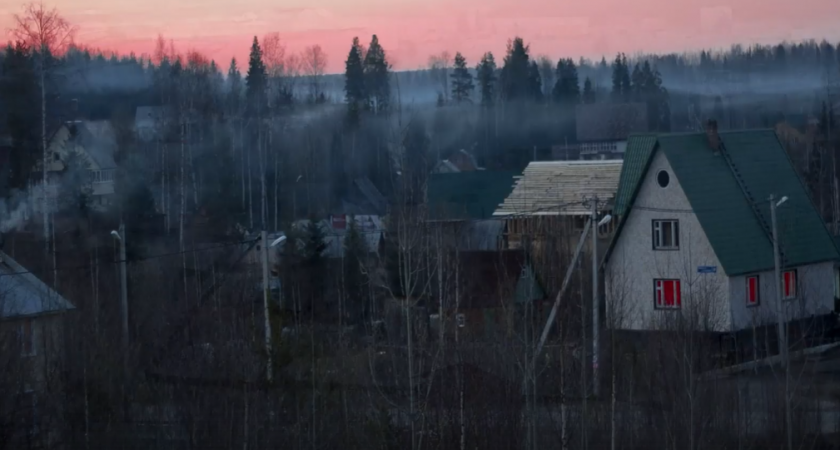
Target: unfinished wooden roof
{"points": [[560, 187]]}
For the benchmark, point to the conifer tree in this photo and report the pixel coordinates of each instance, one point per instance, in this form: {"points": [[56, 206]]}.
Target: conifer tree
{"points": [[486, 74], [638, 86], [234, 82], [567, 87], [621, 84], [534, 82], [256, 80], [516, 80], [588, 92], [354, 82], [377, 83], [462, 80]]}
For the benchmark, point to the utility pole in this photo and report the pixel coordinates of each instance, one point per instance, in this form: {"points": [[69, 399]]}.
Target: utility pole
{"points": [[266, 296], [120, 236], [594, 221], [781, 318], [123, 295]]}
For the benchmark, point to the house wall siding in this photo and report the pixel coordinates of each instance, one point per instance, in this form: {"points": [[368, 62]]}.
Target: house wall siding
{"points": [[815, 296], [634, 265]]}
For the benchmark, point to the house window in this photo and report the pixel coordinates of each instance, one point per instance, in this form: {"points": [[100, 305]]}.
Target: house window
{"points": [[461, 320], [27, 338], [752, 291], [789, 284], [667, 294], [666, 235]]}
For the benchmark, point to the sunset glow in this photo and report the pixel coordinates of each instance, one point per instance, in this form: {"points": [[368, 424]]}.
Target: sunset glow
{"points": [[411, 30]]}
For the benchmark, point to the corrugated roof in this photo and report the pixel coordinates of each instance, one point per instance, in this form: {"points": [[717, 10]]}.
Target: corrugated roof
{"points": [[728, 192], [467, 195], [22, 294], [560, 187]]}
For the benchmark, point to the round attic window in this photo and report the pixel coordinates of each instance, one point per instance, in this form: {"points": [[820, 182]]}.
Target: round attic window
{"points": [[663, 178]]}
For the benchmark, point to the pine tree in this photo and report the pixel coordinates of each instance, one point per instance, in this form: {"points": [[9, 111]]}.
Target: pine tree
{"points": [[588, 92], [567, 87], [462, 80], [534, 82], [354, 82], [638, 86], [256, 80], [338, 171], [234, 82], [377, 83], [486, 71], [516, 82], [621, 84]]}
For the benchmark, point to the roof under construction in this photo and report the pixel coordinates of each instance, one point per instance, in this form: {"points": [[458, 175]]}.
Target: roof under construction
{"points": [[560, 187]]}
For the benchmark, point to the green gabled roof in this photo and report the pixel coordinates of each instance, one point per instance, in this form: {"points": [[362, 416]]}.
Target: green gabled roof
{"points": [[728, 192], [467, 195], [636, 159]]}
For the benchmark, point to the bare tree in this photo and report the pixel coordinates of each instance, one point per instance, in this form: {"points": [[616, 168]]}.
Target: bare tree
{"points": [[439, 67], [314, 63], [49, 34]]}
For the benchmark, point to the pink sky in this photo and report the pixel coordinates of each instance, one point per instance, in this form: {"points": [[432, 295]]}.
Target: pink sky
{"points": [[411, 30]]}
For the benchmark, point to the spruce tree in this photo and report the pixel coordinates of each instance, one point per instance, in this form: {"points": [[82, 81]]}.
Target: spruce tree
{"points": [[462, 80], [256, 80], [354, 82], [567, 87], [588, 92], [234, 83], [377, 83], [534, 82], [486, 74], [516, 80], [638, 86], [621, 84]]}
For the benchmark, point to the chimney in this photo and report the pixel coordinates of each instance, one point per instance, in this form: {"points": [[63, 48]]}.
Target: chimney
{"points": [[712, 134]]}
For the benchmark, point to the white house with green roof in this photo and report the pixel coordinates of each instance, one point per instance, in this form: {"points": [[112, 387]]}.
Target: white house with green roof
{"points": [[694, 236]]}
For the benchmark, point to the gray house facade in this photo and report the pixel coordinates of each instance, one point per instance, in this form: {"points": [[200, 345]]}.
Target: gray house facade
{"points": [[694, 241]]}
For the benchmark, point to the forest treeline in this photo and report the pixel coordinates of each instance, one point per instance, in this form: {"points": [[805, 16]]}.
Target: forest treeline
{"points": [[363, 349]]}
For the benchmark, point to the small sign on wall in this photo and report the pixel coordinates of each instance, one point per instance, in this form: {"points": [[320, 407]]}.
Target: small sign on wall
{"points": [[706, 269]]}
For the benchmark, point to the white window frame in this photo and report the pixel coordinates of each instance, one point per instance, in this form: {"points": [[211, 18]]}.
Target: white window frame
{"points": [[659, 288], [757, 291], [658, 233], [795, 284]]}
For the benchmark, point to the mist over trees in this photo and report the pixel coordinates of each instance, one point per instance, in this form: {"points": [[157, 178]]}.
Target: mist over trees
{"points": [[274, 143]]}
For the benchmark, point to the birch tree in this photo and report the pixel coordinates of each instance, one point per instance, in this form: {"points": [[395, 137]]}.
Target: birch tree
{"points": [[48, 34]]}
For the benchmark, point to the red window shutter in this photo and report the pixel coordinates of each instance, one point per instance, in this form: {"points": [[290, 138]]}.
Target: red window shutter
{"points": [[670, 292]]}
